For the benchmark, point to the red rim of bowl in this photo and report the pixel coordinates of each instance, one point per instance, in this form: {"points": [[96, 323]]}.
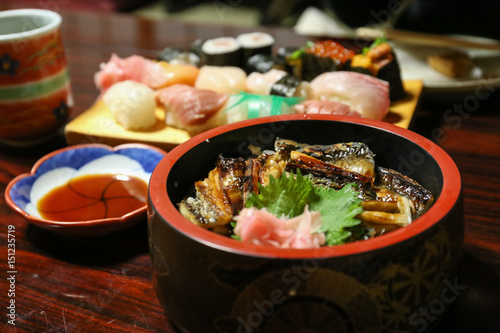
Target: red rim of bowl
{"points": [[75, 224], [447, 199]]}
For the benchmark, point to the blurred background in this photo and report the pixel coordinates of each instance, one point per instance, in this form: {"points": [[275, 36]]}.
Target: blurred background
{"points": [[468, 17]]}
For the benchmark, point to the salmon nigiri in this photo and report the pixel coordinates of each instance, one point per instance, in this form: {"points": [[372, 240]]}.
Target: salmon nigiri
{"points": [[178, 73]]}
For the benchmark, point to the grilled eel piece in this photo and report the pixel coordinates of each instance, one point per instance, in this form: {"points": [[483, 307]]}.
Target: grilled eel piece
{"points": [[400, 200], [351, 156], [222, 194], [420, 198], [333, 165]]}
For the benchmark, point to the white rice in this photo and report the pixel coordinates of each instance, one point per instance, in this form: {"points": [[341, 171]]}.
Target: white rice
{"points": [[255, 40], [220, 45], [132, 104]]}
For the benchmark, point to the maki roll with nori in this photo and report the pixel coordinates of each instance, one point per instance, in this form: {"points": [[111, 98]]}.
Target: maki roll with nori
{"points": [[255, 43], [223, 51], [316, 58], [379, 60], [263, 63], [307, 66]]}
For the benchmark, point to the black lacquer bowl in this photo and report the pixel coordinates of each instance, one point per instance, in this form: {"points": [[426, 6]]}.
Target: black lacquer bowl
{"points": [[211, 283]]}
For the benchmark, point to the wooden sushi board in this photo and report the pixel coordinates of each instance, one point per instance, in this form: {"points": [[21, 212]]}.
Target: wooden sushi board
{"points": [[96, 125], [401, 112]]}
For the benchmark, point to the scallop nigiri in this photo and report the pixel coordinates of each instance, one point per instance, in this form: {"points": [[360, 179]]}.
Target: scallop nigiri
{"points": [[192, 109], [221, 79], [364, 94]]}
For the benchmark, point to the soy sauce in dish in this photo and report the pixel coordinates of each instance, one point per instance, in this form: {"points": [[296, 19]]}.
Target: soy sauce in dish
{"points": [[93, 197]]}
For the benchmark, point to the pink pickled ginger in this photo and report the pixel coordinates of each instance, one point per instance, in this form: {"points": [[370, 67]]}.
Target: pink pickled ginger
{"points": [[258, 226]]}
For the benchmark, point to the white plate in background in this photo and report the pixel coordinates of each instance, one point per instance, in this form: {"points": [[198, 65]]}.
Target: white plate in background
{"points": [[413, 62]]}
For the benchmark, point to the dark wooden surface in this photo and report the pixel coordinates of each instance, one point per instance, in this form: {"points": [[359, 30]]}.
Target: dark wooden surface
{"points": [[104, 284]]}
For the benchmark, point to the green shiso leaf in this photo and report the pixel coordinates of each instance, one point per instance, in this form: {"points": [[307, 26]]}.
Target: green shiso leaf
{"points": [[285, 196], [338, 211], [288, 196]]}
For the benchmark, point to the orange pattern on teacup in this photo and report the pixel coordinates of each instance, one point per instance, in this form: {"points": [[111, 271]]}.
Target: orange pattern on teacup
{"points": [[39, 117], [31, 60]]}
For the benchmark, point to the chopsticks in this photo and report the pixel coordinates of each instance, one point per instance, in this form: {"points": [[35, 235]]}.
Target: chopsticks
{"points": [[410, 37]]}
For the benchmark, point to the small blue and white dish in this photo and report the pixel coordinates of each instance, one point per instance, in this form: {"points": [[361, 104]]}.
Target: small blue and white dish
{"points": [[60, 169]]}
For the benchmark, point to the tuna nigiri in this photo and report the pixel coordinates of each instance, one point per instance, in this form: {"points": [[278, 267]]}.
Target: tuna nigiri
{"points": [[135, 68], [223, 79], [154, 74], [364, 94], [192, 109]]}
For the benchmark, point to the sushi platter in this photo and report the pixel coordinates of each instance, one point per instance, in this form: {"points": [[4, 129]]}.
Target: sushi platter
{"points": [[181, 93]]}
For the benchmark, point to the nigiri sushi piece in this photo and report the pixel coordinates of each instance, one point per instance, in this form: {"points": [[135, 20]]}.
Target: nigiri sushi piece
{"points": [[192, 109], [325, 107], [132, 104], [258, 83], [178, 73], [364, 94], [221, 79], [135, 68]]}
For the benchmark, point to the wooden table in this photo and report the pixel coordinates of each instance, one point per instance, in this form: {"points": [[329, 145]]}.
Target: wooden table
{"points": [[104, 284]]}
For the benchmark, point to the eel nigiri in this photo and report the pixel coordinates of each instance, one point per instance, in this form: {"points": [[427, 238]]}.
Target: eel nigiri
{"points": [[192, 109], [364, 94]]}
